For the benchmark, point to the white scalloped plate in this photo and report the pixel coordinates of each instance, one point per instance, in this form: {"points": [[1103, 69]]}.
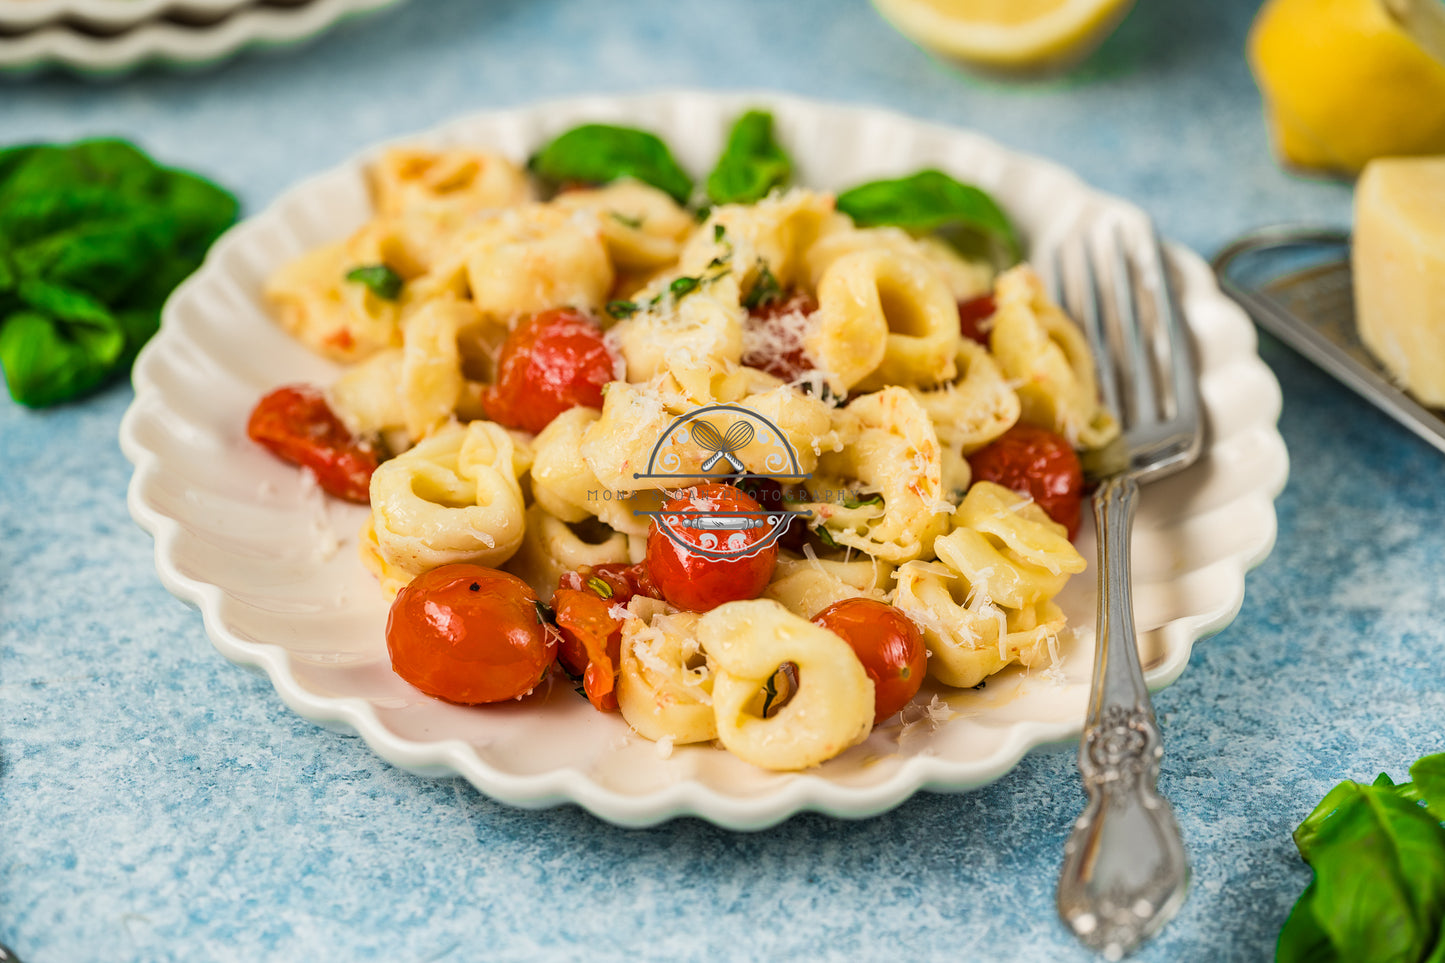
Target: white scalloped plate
{"points": [[109, 14], [239, 535], [243, 26]]}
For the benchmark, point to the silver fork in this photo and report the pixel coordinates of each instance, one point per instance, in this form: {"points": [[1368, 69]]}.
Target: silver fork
{"points": [[1125, 872]]}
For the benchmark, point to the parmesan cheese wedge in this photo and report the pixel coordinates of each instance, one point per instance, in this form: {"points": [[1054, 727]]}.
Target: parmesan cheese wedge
{"points": [[1398, 262]]}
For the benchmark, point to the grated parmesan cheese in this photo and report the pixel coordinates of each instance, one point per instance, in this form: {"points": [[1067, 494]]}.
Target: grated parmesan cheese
{"points": [[770, 338], [1055, 672]]}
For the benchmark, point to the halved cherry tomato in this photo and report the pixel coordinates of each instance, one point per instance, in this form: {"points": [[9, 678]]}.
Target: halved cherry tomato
{"points": [[1036, 462], [469, 634], [553, 361], [591, 644], [690, 579], [776, 324], [298, 426], [971, 317], [621, 580], [887, 643]]}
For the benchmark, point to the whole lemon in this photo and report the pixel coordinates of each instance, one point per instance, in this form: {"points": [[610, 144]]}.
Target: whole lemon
{"points": [[1342, 83]]}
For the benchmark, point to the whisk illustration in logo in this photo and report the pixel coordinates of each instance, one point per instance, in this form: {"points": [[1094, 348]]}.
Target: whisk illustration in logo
{"points": [[724, 443]]}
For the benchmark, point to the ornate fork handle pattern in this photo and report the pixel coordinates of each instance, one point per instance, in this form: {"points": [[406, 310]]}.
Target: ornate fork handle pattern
{"points": [[1125, 871]]}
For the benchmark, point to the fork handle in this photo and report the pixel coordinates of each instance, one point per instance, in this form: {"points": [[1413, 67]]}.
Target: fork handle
{"points": [[1125, 871]]}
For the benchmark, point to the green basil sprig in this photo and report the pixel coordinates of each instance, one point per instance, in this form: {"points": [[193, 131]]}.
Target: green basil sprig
{"points": [[379, 279], [931, 202], [93, 238], [752, 163], [1378, 854], [600, 153]]}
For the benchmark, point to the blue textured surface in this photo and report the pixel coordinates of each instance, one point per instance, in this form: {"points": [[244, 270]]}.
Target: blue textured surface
{"points": [[157, 803]]}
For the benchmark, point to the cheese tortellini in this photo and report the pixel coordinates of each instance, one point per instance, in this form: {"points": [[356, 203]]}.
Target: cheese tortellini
{"points": [[987, 601], [454, 497], [1047, 357], [665, 681], [844, 341], [831, 710]]}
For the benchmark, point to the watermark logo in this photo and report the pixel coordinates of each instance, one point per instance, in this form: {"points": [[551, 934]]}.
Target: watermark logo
{"points": [[730, 444]]}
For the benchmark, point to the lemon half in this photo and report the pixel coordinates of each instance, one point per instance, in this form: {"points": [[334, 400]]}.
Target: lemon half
{"points": [[1008, 35], [1342, 84]]}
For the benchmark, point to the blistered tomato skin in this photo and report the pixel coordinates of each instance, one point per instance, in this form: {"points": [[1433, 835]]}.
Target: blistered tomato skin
{"points": [[1039, 463], [297, 425], [469, 635], [887, 643], [691, 580], [553, 361], [973, 316]]}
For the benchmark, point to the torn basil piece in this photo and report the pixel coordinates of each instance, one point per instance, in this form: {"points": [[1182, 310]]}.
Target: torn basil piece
{"points": [[600, 154], [931, 202]]}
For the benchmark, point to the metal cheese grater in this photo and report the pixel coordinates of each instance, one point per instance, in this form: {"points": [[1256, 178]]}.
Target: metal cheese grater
{"points": [[1296, 284]]}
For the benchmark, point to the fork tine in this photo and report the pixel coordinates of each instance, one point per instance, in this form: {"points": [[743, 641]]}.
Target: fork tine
{"points": [[1142, 400], [1058, 290], [1089, 312], [1180, 352]]}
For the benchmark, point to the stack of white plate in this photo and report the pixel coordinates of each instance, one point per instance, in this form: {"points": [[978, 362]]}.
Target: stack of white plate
{"points": [[112, 37]]}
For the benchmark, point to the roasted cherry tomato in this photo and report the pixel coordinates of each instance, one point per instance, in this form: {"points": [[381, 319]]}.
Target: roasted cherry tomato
{"points": [[774, 336], [887, 643], [553, 361], [1037, 462], [591, 644], [469, 634], [615, 582], [298, 426], [692, 580], [971, 317]]}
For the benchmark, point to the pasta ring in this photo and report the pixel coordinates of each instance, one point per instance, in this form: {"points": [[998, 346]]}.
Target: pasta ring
{"points": [[832, 709]]}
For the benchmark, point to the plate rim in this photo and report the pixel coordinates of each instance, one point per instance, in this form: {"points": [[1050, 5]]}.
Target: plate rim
{"points": [[29, 14], [804, 791], [175, 45]]}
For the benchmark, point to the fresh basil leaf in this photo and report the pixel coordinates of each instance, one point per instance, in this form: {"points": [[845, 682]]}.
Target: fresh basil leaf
{"points": [[1428, 777], [12, 159], [600, 154], [93, 237], [200, 210], [825, 536], [931, 202], [1308, 831], [1301, 940], [752, 163], [103, 252], [1379, 862], [381, 280], [47, 361], [874, 499]]}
